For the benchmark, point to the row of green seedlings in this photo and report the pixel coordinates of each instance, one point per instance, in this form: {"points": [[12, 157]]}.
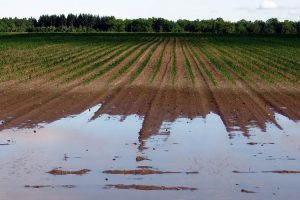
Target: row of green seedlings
{"points": [[214, 61], [81, 61], [126, 67], [240, 65], [159, 62], [283, 54], [32, 69], [72, 60], [266, 68], [283, 47], [115, 63], [247, 62], [145, 62], [64, 59], [101, 60], [235, 63], [25, 57], [18, 69], [87, 61], [232, 67], [187, 63], [273, 67], [204, 70], [273, 60], [174, 66], [258, 67]]}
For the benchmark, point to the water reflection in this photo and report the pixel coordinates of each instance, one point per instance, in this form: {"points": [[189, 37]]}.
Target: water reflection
{"points": [[110, 136], [238, 110]]}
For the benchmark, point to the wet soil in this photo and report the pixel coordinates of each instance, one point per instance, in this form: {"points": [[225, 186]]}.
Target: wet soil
{"points": [[146, 187], [57, 172]]}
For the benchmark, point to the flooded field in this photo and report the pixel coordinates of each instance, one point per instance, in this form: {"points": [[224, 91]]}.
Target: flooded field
{"points": [[151, 118], [114, 147]]}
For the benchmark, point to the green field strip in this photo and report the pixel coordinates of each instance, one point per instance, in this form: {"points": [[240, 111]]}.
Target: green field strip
{"points": [[285, 55], [218, 66], [174, 65], [279, 60], [70, 60], [144, 63], [247, 63], [84, 70], [126, 67], [273, 66], [255, 66], [59, 61], [267, 61], [159, 61], [113, 64], [188, 65], [285, 64], [203, 67], [86, 62], [234, 66], [276, 55], [234, 69], [87, 53], [17, 67], [43, 63], [26, 57]]}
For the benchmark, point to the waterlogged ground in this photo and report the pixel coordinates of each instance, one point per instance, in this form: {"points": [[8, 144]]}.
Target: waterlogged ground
{"points": [[149, 116], [97, 153]]}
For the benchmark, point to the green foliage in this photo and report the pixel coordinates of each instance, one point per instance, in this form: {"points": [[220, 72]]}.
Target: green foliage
{"points": [[95, 23]]}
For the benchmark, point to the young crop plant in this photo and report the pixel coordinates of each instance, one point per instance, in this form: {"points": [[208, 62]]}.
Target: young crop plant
{"points": [[268, 65], [214, 61], [174, 66], [69, 60], [159, 62], [113, 64], [88, 61], [144, 63], [98, 64], [206, 71], [235, 66], [247, 62], [188, 64], [131, 62]]}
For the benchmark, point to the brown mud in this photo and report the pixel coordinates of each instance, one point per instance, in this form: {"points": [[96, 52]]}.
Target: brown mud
{"points": [[147, 187], [144, 172], [57, 172]]}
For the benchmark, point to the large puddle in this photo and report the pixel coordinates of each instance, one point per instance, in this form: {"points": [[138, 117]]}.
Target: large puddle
{"points": [[111, 151]]}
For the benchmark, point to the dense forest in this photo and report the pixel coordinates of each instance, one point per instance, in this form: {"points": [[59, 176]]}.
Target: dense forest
{"points": [[92, 23]]}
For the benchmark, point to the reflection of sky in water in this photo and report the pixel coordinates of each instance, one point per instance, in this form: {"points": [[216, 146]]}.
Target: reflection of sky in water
{"points": [[201, 145]]}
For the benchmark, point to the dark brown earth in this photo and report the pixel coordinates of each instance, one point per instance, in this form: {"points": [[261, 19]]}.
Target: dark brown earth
{"points": [[146, 187], [62, 172]]}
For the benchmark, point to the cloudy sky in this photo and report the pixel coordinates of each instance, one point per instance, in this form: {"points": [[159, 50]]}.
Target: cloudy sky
{"points": [[171, 9]]}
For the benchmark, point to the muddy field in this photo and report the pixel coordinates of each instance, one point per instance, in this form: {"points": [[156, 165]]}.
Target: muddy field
{"points": [[149, 116]]}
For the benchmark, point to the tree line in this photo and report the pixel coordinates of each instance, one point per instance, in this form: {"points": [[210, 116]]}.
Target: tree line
{"points": [[94, 23]]}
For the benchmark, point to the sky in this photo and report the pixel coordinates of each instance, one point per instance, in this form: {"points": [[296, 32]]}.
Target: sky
{"points": [[232, 10]]}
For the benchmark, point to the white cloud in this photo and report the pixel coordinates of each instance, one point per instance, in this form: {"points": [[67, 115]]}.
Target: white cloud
{"points": [[268, 5]]}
